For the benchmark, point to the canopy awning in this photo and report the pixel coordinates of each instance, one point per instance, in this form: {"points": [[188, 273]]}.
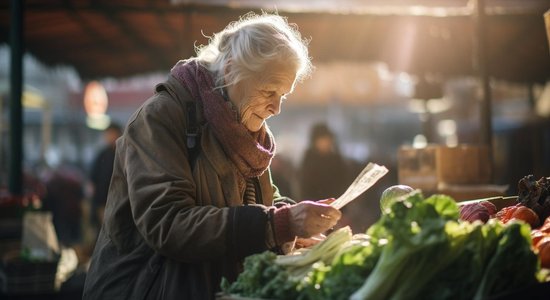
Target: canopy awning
{"points": [[123, 38]]}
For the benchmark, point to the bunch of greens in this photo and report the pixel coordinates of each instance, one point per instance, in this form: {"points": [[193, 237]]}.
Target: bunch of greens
{"points": [[495, 259], [263, 278], [346, 273], [431, 255], [269, 276], [301, 263], [418, 249], [513, 265]]}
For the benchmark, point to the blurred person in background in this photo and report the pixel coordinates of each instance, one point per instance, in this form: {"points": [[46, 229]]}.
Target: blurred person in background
{"points": [[100, 175], [283, 175], [323, 170], [191, 194], [64, 196]]}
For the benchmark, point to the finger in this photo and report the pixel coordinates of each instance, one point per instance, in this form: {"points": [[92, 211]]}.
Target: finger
{"points": [[327, 201], [318, 237], [304, 243]]}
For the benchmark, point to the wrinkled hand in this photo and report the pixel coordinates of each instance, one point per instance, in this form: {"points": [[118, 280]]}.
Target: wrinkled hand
{"points": [[309, 218]]}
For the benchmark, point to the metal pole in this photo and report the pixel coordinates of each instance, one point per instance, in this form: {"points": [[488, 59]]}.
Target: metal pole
{"points": [[486, 130], [531, 96], [15, 177]]}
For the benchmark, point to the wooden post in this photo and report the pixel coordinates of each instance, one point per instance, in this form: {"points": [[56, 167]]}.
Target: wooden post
{"points": [[15, 177], [486, 126], [547, 22]]}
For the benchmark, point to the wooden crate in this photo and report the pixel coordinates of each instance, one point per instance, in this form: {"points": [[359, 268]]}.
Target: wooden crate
{"points": [[429, 167]]}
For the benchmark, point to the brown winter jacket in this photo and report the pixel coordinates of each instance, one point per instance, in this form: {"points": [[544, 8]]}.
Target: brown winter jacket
{"points": [[171, 232]]}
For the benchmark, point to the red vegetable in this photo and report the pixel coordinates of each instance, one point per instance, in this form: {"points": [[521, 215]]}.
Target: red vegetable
{"points": [[544, 252], [505, 214], [526, 214], [546, 226], [537, 236], [473, 212], [491, 208]]}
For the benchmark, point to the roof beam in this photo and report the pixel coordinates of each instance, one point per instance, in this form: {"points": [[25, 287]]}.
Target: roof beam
{"points": [[90, 30], [175, 34], [141, 44], [502, 7]]}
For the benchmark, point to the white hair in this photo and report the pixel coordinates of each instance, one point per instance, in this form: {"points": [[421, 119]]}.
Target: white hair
{"points": [[247, 46]]}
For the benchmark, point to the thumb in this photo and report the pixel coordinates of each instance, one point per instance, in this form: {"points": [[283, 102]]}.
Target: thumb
{"points": [[327, 201]]}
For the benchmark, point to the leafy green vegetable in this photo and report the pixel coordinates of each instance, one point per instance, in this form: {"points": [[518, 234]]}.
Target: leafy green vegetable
{"points": [[269, 276], [262, 278], [513, 265], [475, 242], [417, 248], [431, 255], [347, 272], [299, 265]]}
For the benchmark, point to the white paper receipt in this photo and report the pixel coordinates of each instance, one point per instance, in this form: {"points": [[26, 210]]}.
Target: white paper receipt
{"points": [[367, 178]]}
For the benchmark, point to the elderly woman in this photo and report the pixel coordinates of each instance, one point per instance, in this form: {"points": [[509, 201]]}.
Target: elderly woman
{"points": [[191, 193]]}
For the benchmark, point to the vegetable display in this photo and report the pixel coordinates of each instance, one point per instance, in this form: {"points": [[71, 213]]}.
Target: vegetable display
{"points": [[299, 264], [392, 195], [476, 212], [535, 194], [518, 212], [418, 249], [269, 276], [541, 242], [543, 248], [263, 278]]}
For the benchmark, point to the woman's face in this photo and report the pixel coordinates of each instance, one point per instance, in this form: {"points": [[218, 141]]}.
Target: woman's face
{"points": [[258, 99]]}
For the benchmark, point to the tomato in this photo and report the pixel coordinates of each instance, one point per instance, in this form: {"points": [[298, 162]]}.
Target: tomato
{"points": [[526, 214], [544, 252], [546, 226], [505, 214], [537, 236]]}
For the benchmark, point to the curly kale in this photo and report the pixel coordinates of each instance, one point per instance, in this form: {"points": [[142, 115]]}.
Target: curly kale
{"points": [[262, 278]]}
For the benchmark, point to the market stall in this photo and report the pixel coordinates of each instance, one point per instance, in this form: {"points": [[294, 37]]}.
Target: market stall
{"points": [[421, 248], [431, 243]]}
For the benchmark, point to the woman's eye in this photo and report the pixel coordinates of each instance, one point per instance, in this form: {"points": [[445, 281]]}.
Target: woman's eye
{"points": [[269, 94]]}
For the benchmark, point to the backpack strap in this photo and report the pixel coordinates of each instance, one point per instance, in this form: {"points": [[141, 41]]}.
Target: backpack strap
{"points": [[192, 132]]}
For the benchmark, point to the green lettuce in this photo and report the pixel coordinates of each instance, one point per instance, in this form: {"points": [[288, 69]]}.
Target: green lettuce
{"points": [[347, 272], [262, 278], [418, 249], [513, 264], [432, 255]]}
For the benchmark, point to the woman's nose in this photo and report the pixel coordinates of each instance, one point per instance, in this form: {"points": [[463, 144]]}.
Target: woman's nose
{"points": [[276, 105]]}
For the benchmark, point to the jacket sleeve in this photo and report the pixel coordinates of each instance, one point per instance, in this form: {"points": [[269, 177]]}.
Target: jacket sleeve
{"points": [[162, 193]]}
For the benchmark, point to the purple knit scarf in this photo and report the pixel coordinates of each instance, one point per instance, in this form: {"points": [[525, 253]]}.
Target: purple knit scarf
{"points": [[250, 152]]}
